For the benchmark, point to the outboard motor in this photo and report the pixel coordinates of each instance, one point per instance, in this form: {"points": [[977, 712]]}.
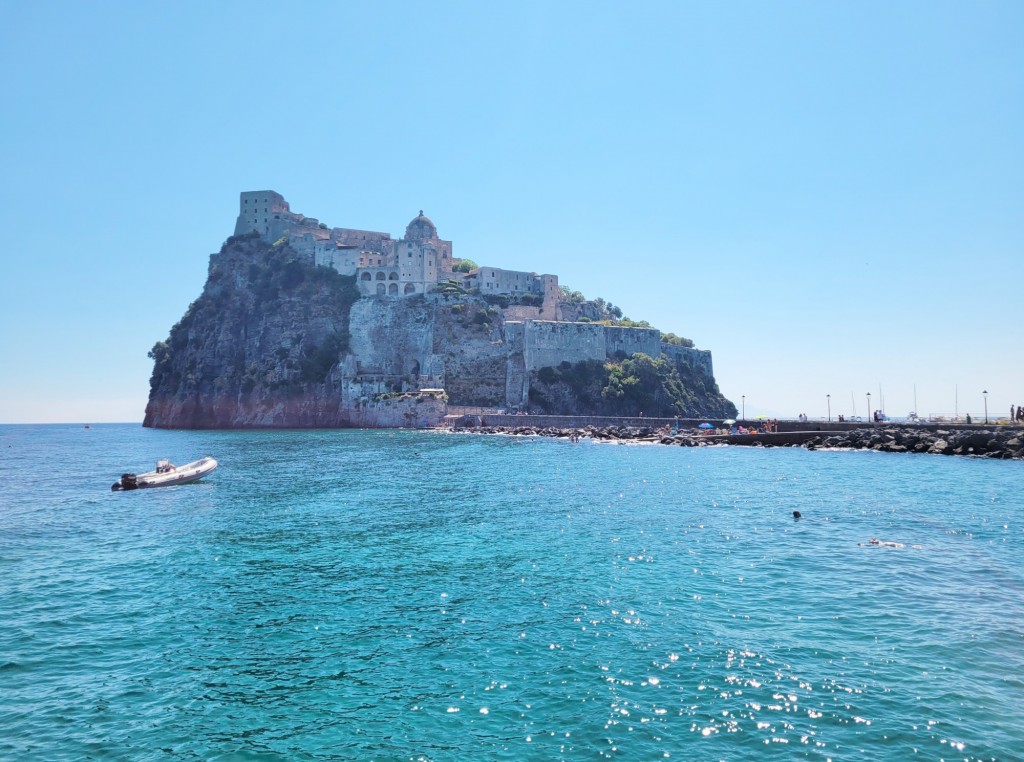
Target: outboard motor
{"points": [[128, 481]]}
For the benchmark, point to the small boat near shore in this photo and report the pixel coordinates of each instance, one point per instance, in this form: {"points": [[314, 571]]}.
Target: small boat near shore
{"points": [[166, 474]]}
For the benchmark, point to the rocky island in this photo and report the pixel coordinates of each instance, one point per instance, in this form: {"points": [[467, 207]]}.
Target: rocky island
{"points": [[304, 325]]}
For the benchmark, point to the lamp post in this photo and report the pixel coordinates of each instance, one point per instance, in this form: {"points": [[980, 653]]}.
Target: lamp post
{"points": [[828, 401], [743, 399], [870, 417], [985, 395]]}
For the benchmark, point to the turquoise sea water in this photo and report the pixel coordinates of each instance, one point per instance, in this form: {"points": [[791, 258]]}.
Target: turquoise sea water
{"points": [[408, 595]]}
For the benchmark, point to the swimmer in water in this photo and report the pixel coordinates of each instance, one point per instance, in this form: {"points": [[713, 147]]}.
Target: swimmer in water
{"points": [[796, 514], [881, 543]]}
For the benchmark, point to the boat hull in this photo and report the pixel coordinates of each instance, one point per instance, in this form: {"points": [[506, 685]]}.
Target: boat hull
{"points": [[190, 472]]}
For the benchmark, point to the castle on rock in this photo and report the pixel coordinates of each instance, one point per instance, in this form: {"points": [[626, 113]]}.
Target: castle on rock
{"points": [[383, 266]]}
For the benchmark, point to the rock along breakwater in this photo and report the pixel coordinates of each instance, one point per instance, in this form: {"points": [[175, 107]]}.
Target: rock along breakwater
{"points": [[1005, 443]]}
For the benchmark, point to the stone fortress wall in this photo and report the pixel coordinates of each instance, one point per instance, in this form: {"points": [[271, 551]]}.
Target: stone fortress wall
{"points": [[541, 344], [532, 336]]}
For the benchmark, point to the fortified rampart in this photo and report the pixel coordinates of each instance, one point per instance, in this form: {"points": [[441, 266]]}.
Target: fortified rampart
{"points": [[547, 343], [536, 344], [629, 341]]}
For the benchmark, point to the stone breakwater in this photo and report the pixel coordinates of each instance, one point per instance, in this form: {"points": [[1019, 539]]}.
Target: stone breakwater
{"points": [[987, 442], [1000, 443]]}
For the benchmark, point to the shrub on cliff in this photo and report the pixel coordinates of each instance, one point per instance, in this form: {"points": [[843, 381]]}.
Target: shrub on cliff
{"points": [[450, 287], [679, 341], [504, 300], [656, 387], [318, 359], [498, 299], [566, 294]]}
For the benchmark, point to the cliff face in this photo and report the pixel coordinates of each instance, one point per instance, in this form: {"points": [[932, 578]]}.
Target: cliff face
{"points": [[274, 341], [257, 347]]}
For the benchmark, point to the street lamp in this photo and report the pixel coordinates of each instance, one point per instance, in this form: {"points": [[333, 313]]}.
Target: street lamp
{"points": [[828, 401], [870, 417], [743, 398], [985, 393]]}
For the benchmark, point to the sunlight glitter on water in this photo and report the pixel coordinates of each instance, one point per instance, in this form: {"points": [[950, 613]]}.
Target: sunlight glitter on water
{"points": [[441, 614]]}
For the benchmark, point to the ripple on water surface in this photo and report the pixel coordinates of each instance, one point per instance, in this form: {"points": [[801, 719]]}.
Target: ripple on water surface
{"points": [[406, 595]]}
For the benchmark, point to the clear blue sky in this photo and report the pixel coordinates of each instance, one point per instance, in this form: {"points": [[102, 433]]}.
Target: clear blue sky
{"points": [[829, 196]]}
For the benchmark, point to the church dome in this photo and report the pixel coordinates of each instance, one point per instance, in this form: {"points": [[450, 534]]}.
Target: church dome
{"points": [[420, 229]]}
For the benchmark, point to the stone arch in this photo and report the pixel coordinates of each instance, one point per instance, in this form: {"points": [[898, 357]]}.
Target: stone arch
{"points": [[381, 289], [366, 276], [410, 289], [392, 276], [393, 288], [380, 275]]}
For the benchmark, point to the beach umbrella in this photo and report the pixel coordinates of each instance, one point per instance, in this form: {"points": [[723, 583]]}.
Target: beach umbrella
{"points": [[706, 426], [728, 422]]}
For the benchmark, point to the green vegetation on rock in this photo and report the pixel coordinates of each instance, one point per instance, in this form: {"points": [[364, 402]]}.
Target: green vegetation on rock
{"points": [[655, 387], [570, 296], [450, 287], [679, 341], [506, 300]]}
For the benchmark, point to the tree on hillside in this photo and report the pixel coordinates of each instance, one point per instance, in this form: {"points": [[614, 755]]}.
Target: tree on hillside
{"points": [[573, 297]]}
